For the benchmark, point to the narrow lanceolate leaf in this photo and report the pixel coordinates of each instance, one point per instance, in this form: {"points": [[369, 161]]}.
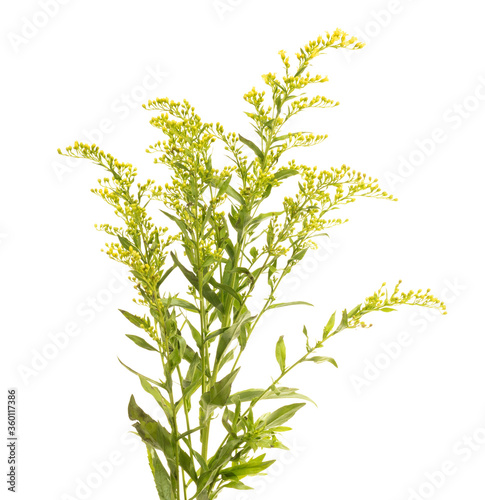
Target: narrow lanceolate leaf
{"points": [[275, 393], [142, 343], [227, 289], [329, 325], [231, 333], [156, 394], [219, 393], [282, 415], [285, 173], [387, 309], [344, 323], [251, 468], [136, 373], [228, 189], [209, 294], [160, 475], [176, 302], [195, 334], [286, 304], [252, 146], [215, 334], [165, 275], [191, 277], [323, 359], [237, 485], [125, 243], [180, 223], [296, 257], [280, 352], [256, 221], [152, 432], [132, 318], [187, 464]]}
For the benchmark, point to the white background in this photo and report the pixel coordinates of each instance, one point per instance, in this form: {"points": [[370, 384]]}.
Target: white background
{"points": [[384, 427]]}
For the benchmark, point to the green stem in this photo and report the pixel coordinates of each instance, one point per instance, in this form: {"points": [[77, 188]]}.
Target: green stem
{"points": [[204, 354], [186, 411], [258, 317]]}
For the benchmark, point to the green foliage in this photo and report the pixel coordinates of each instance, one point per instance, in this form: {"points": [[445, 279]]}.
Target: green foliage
{"points": [[224, 245]]}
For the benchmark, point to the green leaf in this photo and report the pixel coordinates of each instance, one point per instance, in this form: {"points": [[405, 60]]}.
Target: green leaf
{"points": [[237, 485], [250, 468], [275, 393], [223, 187], [178, 351], [216, 182], [216, 333], [239, 219], [176, 302], [160, 475], [180, 223], [226, 421], [209, 294], [323, 359], [329, 326], [125, 243], [279, 138], [227, 289], [279, 104], [142, 343], [355, 310], [132, 318], [296, 257], [191, 277], [152, 432], [285, 304], [229, 356], [157, 396], [165, 275], [191, 383], [282, 415], [262, 217], [136, 373], [268, 123], [344, 323], [219, 393], [231, 334], [151, 390], [284, 174], [252, 146], [234, 194], [387, 309], [187, 464], [195, 335], [280, 352]]}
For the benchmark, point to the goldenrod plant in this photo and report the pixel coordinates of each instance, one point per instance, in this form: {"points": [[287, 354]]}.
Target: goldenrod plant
{"points": [[226, 246]]}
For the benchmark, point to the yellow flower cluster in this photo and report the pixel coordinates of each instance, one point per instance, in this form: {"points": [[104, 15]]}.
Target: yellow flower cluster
{"points": [[338, 39], [382, 300], [315, 102]]}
